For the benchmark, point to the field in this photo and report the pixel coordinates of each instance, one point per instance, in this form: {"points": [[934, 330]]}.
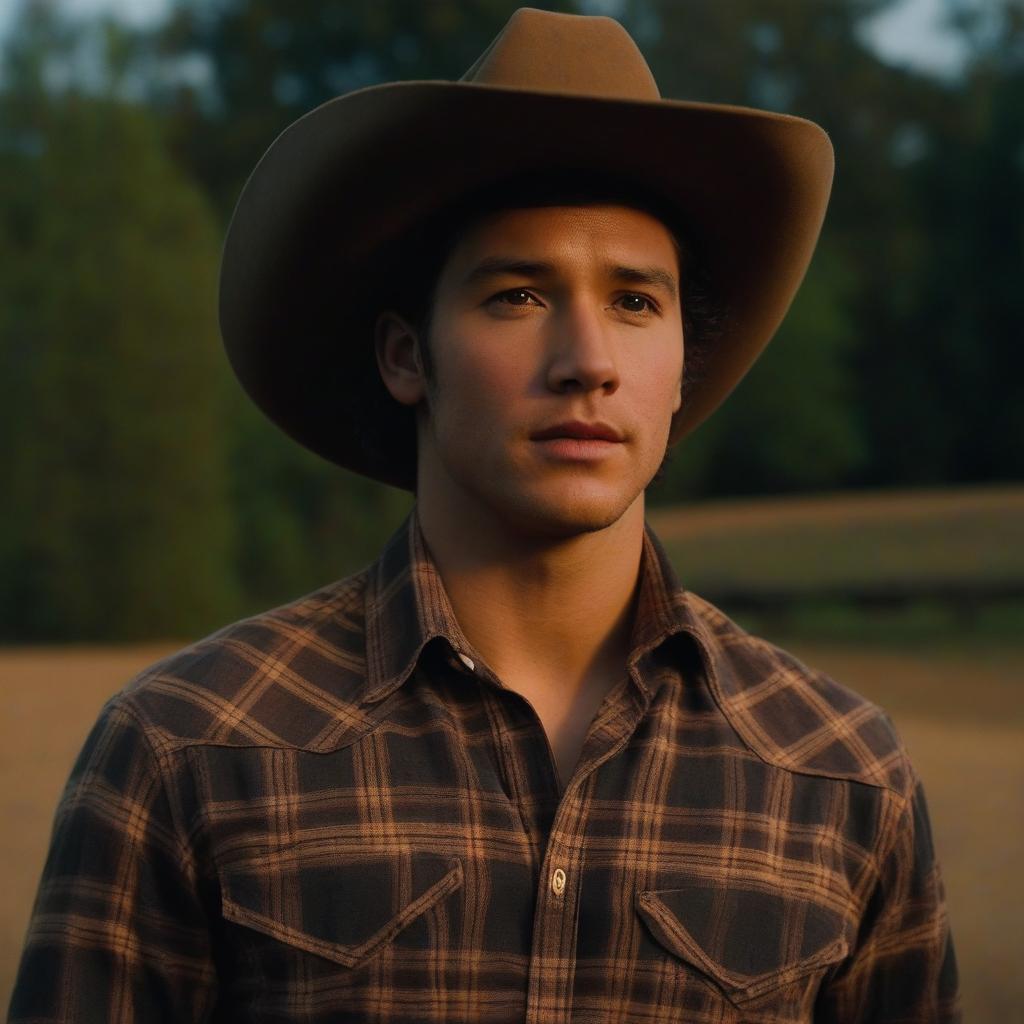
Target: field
{"points": [[926, 540], [953, 682]]}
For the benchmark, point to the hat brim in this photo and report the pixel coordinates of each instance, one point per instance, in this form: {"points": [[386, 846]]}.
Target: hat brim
{"points": [[303, 259]]}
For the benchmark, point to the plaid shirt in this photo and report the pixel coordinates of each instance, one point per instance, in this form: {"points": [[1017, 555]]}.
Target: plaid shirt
{"points": [[335, 811]]}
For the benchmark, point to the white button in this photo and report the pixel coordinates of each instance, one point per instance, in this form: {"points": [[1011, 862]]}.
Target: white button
{"points": [[558, 881], [467, 661]]}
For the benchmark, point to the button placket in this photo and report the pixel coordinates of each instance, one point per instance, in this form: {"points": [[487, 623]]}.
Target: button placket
{"points": [[549, 996], [556, 921]]}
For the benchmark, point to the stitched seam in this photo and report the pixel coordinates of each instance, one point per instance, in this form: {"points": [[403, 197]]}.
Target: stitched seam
{"points": [[736, 987], [350, 956]]}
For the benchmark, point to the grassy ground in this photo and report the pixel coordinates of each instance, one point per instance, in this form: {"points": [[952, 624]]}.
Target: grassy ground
{"points": [[920, 537]]}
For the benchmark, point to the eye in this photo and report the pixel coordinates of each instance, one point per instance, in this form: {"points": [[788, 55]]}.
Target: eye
{"points": [[514, 297], [636, 303]]}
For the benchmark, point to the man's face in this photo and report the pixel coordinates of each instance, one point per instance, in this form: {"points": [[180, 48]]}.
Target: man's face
{"points": [[548, 322]]}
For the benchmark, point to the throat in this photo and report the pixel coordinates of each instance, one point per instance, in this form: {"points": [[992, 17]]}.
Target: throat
{"points": [[566, 715]]}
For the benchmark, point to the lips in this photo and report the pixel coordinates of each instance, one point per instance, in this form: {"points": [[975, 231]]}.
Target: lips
{"points": [[578, 430]]}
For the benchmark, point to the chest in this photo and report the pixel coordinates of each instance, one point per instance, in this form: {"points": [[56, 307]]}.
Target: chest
{"points": [[565, 717], [434, 862]]}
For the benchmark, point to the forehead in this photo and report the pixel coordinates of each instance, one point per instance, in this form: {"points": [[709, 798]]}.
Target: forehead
{"points": [[598, 229]]}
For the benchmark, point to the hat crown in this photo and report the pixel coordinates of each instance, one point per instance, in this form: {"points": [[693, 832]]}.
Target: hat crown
{"points": [[574, 54]]}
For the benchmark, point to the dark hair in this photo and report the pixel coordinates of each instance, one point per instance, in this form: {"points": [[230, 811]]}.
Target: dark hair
{"points": [[429, 246]]}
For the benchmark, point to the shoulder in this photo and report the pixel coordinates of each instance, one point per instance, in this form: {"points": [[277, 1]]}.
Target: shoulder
{"points": [[279, 678], [794, 716]]}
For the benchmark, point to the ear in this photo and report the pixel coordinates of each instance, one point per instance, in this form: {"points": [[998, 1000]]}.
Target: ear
{"points": [[398, 358]]}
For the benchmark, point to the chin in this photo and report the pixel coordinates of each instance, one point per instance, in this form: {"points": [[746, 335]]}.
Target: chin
{"points": [[568, 511]]}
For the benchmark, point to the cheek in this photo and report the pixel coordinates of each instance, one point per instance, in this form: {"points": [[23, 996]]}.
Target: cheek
{"points": [[659, 380], [479, 381]]}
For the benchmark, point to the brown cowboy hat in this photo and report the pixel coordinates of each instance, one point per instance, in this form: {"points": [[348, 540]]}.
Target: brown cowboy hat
{"points": [[315, 248]]}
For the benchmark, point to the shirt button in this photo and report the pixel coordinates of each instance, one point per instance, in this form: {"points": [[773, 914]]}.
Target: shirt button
{"points": [[558, 881], [467, 661]]}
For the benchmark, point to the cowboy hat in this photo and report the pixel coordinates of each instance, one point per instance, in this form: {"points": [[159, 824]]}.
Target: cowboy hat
{"points": [[316, 239]]}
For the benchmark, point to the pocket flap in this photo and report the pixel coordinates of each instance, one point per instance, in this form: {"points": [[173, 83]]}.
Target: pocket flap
{"points": [[748, 941], [343, 911]]}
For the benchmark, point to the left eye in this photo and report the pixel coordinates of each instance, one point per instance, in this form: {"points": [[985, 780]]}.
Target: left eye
{"points": [[638, 303]]}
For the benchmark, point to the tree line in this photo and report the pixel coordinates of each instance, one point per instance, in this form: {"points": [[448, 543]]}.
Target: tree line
{"points": [[145, 497]]}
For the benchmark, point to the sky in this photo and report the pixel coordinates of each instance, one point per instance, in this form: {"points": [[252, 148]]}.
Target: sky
{"points": [[910, 32]]}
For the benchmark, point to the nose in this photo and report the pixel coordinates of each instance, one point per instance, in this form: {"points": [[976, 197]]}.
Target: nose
{"points": [[582, 357]]}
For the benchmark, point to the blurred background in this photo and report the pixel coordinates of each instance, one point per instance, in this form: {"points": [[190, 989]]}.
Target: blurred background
{"points": [[857, 500]]}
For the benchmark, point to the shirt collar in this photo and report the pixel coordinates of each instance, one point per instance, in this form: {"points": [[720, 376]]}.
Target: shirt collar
{"points": [[407, 606]]}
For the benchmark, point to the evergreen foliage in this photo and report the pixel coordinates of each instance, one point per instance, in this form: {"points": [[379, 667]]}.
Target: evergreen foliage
{"points": [[116, 522]]}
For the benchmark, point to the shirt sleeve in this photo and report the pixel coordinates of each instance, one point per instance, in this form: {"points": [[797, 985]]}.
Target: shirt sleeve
{"points": [[903, 967], [118, 932]]}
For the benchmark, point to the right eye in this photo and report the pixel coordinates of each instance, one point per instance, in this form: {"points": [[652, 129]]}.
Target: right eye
{"points": [[514, 297]]}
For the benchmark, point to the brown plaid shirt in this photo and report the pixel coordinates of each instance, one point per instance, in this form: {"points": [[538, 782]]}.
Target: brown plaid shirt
{"points": [[324, 813]]}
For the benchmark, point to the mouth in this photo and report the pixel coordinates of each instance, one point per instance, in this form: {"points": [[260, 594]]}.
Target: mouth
{"points": [[577, 430], [577, 441]]}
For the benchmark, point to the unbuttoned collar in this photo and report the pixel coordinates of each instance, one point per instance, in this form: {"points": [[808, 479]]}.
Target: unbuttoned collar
{"points": [[407, 606]]}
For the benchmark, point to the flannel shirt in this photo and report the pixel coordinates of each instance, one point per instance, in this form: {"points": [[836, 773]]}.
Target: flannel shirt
{"points": [[334, 811]]}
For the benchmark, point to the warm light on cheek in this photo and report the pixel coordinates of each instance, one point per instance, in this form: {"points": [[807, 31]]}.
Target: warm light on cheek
{"points": [[479, 376], [666, 372]]}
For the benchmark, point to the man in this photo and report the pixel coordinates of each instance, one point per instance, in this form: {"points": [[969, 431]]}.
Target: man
{"points": [[512, 770]]}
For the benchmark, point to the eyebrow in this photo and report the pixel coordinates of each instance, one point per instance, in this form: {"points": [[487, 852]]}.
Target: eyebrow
{"points": [[496, 266]]}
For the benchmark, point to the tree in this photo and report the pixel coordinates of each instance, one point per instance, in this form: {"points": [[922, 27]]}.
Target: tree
{"points": [[116, 522], [268, 63], [953, 389]]}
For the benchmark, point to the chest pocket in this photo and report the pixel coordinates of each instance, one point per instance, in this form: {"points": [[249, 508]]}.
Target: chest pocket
{"points": [[345, 910], [748, 942]]}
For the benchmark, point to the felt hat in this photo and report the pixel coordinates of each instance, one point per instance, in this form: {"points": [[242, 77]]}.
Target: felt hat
{"points": [[315, 247]]}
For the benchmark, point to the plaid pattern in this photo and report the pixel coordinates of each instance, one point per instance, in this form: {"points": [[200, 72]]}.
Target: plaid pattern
{"points": [[323, 814]]}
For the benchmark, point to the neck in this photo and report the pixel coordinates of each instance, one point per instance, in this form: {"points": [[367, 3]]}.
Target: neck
{"points": [[545, 612]]}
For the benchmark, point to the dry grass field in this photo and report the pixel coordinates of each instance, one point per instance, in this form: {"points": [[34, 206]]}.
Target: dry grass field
{"points": [[961, 715], [800, 544]]}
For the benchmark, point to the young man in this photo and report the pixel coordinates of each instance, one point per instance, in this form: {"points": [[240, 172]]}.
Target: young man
{"points": [[513, 770]]}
